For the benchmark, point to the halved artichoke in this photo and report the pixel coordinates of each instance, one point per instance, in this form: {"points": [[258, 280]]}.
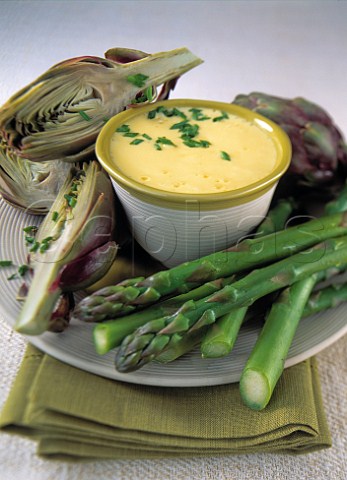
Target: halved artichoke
{"points": [[59, 115], [74, 246]]}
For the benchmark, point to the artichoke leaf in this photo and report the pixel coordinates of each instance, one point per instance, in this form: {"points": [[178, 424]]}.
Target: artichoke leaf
{"points": [[31, 186]]}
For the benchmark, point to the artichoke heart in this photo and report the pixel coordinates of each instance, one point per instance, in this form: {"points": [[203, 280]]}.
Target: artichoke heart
{"points": [[73, 247]]}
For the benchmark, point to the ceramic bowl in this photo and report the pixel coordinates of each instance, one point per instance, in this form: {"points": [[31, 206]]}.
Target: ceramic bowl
{"points": [[175, 227]]}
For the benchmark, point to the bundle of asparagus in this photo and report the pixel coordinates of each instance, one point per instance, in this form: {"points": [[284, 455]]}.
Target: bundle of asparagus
{"points": [[289, 260]]}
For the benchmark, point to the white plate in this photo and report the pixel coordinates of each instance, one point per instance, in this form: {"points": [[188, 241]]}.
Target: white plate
{"points": [[75, 345]]}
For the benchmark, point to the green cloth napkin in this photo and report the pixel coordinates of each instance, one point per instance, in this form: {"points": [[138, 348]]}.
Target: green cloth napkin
{"points": [[78, 415]]}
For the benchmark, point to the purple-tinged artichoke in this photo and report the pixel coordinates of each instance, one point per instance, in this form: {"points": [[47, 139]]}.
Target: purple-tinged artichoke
{"points": [[319, 152], [59, 115], [73, 247]]}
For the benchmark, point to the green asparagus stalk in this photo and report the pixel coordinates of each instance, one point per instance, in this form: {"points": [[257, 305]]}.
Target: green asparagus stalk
{"points": [[147, 342], [277, 217], [113, 301], [325, 298], [109, 334], [221, 336], [266, 361]]}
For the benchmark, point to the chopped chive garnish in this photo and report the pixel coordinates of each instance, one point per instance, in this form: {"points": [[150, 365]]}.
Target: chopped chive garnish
{"points": [[149, 93], [35, 247], [147, 137], [178, 113], [45, 244], [225, 156], [47, 239], [138, 80], [190, 130], [197, 114], [137, 141], [22, 270], [71, 200], [6, 263], [191, 143], [157, 146], [123, 128], [151, 114], [221, 117], [179, 125], [30, 240], [165, 141], [105, 119], [84, 115], [130, 134], [30, 229]]}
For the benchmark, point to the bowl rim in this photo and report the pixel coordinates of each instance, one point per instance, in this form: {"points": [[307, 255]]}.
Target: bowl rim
{"points": [[156, 195]]}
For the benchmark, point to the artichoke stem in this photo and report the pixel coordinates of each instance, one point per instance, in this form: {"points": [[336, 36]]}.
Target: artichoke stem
{"points": [[43, 294]]}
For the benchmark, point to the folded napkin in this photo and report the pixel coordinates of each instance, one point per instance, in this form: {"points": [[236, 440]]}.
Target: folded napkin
{"points": [[77, 415]]}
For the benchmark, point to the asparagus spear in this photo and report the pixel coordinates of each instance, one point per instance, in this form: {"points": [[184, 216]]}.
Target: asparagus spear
{"points": [[328, 297], [266, 361], [221, 336], [113, 301], [147, 342], [109, 334]]}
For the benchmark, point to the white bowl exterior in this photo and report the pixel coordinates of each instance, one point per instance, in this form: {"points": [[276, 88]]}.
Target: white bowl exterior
{"points": [[174, 236]]}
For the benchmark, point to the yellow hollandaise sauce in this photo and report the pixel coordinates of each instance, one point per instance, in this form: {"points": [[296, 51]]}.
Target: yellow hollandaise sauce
{"points": [[192, 150]]}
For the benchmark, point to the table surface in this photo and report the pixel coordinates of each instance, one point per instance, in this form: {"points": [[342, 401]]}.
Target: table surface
{"points": [[287, 48]]}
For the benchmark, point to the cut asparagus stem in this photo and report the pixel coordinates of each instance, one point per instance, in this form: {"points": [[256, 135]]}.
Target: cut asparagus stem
{"points": [[221, 336], [122, 298], [266, 361], [147, 342]]}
